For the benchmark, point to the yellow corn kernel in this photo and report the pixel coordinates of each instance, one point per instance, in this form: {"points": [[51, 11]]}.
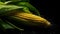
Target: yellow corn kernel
{"points": [[36, 20]]}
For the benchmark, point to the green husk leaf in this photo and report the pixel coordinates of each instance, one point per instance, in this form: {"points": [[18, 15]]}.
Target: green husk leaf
{"points": [[14, 26], [7, 25], [30, 7], [20, 0], [4, 25], [1, 3], [6, 9]]}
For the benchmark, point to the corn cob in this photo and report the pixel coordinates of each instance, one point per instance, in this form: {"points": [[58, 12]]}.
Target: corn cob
{"points": [[29, 19], [33, 18]]}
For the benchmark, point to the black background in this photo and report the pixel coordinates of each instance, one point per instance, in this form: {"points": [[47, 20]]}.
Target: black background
{"points": [[47, 9]]}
